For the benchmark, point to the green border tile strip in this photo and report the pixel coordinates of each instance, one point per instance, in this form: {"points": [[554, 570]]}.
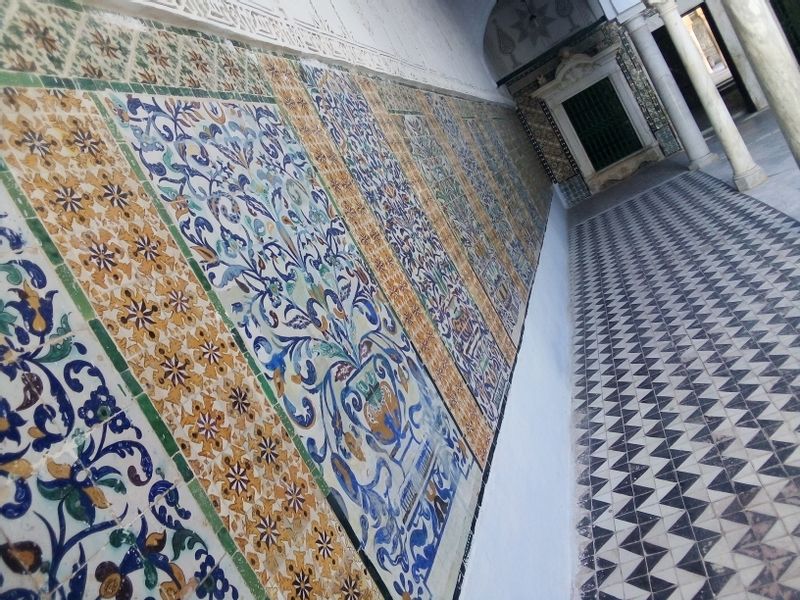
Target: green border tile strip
{"points": [[209, 290], [134, 388]]}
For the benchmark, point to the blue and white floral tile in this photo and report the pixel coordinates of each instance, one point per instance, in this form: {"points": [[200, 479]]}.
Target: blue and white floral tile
{"points": [[172, 547]]}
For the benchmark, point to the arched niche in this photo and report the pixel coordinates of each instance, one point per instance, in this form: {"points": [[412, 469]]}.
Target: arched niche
{"points": [[518, 31]]}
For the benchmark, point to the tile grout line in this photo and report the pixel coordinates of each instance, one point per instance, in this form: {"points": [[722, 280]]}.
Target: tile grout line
{"points": [[120, 365], [212, 295]]}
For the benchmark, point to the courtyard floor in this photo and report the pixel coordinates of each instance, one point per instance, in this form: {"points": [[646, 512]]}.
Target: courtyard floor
{"points": [[686, 303]]}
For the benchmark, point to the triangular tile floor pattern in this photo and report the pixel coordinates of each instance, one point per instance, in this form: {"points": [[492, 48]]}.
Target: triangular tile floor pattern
{"points": [[687, 396]]}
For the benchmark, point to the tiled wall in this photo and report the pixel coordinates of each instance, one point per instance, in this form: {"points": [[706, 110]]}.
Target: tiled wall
{"points": [[258, 316]]}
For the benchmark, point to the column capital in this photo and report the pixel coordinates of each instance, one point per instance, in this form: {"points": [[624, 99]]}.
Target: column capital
{"points": [[662, 6]]}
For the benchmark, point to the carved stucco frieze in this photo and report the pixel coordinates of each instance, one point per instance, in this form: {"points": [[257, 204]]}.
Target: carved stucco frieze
{"points": [[271, 24]]}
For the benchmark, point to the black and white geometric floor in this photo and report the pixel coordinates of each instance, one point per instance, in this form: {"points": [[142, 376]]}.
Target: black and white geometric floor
{"points": [[687, 396]]}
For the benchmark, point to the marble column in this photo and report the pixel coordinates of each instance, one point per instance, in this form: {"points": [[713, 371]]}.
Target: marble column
{"points": [[746, 173], [773, 61], [674, 102]]}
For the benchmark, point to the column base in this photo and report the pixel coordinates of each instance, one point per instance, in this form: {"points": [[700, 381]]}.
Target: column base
{"points": [[703, 161], [749, 179]]}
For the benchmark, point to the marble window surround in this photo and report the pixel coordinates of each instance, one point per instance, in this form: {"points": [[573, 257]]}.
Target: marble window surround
{"points": [[578, 72]]}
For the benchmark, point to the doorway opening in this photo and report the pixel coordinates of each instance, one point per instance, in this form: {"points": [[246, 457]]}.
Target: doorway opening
{"points": [[709, 42]]}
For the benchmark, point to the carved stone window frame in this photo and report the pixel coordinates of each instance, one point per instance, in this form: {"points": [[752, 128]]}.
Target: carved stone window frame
{"points": [[574, 74]]}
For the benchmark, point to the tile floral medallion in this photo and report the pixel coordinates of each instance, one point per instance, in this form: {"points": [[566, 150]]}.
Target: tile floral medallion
{"points": [[455, 135], [265, 232], [351, 124], [91, 505], [438, 173], [231, 365]]}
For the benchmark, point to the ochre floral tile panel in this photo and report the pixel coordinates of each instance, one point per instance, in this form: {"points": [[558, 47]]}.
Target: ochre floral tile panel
{"points": [[496, 280], [253, 347], [454, 135], [490, 309], [391, 198], [111, 236], [91, 504], [366, 231], [250, 207]]}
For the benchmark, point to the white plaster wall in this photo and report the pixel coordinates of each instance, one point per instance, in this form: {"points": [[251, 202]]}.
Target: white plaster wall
{"points": [[434, 42], [524, 542]]}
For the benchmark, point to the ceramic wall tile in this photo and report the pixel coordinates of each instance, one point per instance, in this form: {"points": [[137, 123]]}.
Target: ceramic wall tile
{"points": [[232, 67], [155, 60], [367, 232], [528, 164], [432, 161], [104, 48], [254, 347], [197, 67], [68, 163], [526, 225], [391, 198], [37, 37], [77, 454], [524, 205], [454, 134], [243, 195], [511, 210], [398, 142]]}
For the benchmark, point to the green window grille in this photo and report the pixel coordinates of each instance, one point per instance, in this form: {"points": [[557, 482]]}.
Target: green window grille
{"points": [[602, 124]]}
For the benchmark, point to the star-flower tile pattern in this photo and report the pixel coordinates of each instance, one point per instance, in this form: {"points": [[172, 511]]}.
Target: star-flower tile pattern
{"points": [[111, 235], [378, 174], [523, 228], [91, 504], [398, 140], [687, 388], [262, 474], [107, 48], [36, 37]]}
